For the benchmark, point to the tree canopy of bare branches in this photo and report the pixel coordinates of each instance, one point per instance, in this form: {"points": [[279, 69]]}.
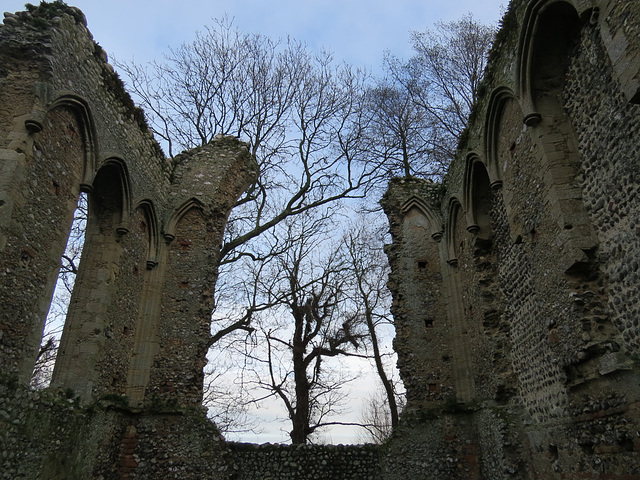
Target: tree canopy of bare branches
{"points": [[371, 300], [300, 112], [307, 323], [421, 107], [451, 61]]}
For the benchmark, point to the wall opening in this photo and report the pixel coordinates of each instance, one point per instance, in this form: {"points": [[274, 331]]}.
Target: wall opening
{"points": [[89, 325], [558, 28], [56, 316], [481, 200]]}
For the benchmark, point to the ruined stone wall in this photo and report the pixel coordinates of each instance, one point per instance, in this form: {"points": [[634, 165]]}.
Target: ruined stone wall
{"points": [[515, 281], [298, 462], [542, 271], [422, 278], [137, 328]]}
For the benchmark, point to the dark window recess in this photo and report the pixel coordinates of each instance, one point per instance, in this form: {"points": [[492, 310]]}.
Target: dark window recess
{"points": [[428, 323]]}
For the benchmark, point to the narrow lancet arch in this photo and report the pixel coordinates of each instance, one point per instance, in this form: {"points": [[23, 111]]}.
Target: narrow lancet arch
{"points": [[169, 232], [433, 218], [62, 152], [452, 237], [92, 322], [153, 231], [119, 173], [497, 102], [549, 29], [88, 131], [477, 197]]}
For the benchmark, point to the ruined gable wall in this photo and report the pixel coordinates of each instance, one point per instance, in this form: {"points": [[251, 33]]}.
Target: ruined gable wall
{"points": [[419, 275], [68, 126], [70, 79]]}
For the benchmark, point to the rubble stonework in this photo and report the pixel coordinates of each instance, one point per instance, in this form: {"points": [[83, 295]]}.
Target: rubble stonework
{"points": [[137, 329], [515, 281], [529, 321]]}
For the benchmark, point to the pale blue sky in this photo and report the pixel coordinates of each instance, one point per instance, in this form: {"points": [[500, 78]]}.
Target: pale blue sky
{"points": [[357, 31]]}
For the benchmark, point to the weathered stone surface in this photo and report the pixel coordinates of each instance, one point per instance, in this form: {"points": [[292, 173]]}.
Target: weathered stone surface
{"points": [[137, 329], [538, 254]]}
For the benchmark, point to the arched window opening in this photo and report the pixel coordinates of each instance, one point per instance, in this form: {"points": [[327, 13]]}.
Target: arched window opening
{"points": [[455, 237], [557, 31], [481, 201], [458, 244], [93, 318], [54, 324]]}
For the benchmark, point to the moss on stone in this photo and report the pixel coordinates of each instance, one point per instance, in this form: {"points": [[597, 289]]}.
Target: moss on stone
{"points": [[46, 11]]}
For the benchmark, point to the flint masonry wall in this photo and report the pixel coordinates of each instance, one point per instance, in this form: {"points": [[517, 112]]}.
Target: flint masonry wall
{"points": [[536, 228], [515, 281], [283, 462], [136, 332], [73, 128]]}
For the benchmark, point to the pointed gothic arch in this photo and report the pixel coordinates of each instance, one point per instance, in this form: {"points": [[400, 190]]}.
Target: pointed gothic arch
{"points": [[90, 322], [63, 151], [169, 232], [153, 231], [452, 237], [119, 179], [497, 102], [477, 196], [548, 32], [88, 131], [433, 217]]}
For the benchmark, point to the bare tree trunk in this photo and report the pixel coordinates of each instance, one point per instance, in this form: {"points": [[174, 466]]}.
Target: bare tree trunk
{"points": [[300, 419], [386, 383]]}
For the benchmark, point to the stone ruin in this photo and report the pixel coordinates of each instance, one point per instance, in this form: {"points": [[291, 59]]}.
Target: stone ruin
{"points": [[516, 282]]}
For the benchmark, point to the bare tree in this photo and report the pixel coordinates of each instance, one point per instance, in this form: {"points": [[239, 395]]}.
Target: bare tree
{"points": [[299, 111], [307, 323], [425, 103], [43, 368], [371, 300], [70, 260], [320, 135], [401, 132], [224, 398], [449, 65], [376, 418]]}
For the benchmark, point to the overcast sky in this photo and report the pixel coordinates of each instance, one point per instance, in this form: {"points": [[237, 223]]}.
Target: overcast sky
{"points": [[357, 31]]}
